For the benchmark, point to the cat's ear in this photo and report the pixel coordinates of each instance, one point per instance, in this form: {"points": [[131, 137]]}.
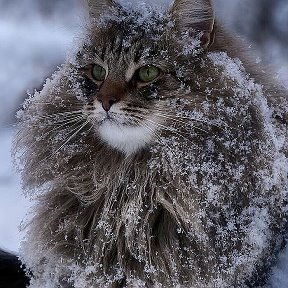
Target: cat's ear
{"points": [[99, 7], [195, 16]]}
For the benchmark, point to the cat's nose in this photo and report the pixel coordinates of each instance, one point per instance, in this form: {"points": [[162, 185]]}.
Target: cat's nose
{"points": [[107, 102], [110, 93]]}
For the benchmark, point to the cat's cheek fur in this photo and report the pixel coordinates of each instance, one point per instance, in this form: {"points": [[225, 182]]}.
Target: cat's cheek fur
{"points": [[126, 139]]}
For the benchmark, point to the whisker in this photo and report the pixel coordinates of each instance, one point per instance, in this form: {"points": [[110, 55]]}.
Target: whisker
{"points": [[179, 116], [56, 118], [64, 113], [60, 122], [205, 121], [74, 105], [60, 125], [180, 121], [73, 135], [169, 130], [75, 132], [146, 126], [58, 114], [78, 119]]}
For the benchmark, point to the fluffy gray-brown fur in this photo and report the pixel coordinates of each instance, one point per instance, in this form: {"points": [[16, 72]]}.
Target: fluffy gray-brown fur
{"points": [[189, 188]]}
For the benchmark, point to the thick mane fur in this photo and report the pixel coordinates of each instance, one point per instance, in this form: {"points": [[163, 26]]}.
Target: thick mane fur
{"points": [[201, 206]]}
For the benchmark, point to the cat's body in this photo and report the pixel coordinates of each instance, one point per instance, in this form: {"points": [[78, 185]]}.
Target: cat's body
{"points": [[178, 181]]}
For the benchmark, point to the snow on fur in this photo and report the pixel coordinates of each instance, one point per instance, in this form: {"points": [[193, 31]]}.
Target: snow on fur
{"points": [[199, 171]]}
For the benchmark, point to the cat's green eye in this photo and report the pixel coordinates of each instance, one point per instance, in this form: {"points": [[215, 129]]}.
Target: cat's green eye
{"points": [[98, 73], [148, 73]]}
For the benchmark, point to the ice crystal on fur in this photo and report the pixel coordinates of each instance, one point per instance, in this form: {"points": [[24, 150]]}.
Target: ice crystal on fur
{"points": [[181, 182]]}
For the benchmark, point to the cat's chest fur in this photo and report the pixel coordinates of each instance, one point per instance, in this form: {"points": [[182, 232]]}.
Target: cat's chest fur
{"points": [[125, 139]]}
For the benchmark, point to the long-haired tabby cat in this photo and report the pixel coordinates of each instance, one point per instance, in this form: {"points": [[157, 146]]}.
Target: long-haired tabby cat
{"points": [[157, 154]]}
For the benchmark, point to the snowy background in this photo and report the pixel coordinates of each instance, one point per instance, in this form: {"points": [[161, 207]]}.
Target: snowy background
{"points": [[35, 36]]}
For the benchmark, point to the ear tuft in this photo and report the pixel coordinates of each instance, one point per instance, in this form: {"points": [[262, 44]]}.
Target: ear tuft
{"points": [[194, 17]]}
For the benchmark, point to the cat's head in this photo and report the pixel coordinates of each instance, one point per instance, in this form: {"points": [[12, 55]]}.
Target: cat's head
{"points": [[130, 66], [120, 83]]}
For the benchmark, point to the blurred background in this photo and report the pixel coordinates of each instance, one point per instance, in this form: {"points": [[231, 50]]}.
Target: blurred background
{"points": [[264, 23], [35, 36]]}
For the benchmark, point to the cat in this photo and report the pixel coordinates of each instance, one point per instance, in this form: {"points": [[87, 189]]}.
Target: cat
{"points": [[157, 156]]}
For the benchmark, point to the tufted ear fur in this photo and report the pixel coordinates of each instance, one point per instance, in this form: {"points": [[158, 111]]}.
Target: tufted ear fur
{"points": [[99, 7], [194, 16]]}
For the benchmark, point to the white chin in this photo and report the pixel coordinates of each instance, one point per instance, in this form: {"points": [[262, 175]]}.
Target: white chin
{"points": [[127, 139]]}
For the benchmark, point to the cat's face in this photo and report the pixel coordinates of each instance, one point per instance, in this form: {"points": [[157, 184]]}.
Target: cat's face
{"points": [[128, 73], [120, 84]]}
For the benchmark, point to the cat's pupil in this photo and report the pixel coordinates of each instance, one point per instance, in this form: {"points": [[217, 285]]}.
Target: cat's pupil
{"points": [[148, 73]]}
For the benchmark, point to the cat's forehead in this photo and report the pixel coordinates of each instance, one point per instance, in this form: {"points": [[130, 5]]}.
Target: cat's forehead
{"points": [[119, 44], [127, 34], [128, 29], [125, 43], [125, 39]]}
